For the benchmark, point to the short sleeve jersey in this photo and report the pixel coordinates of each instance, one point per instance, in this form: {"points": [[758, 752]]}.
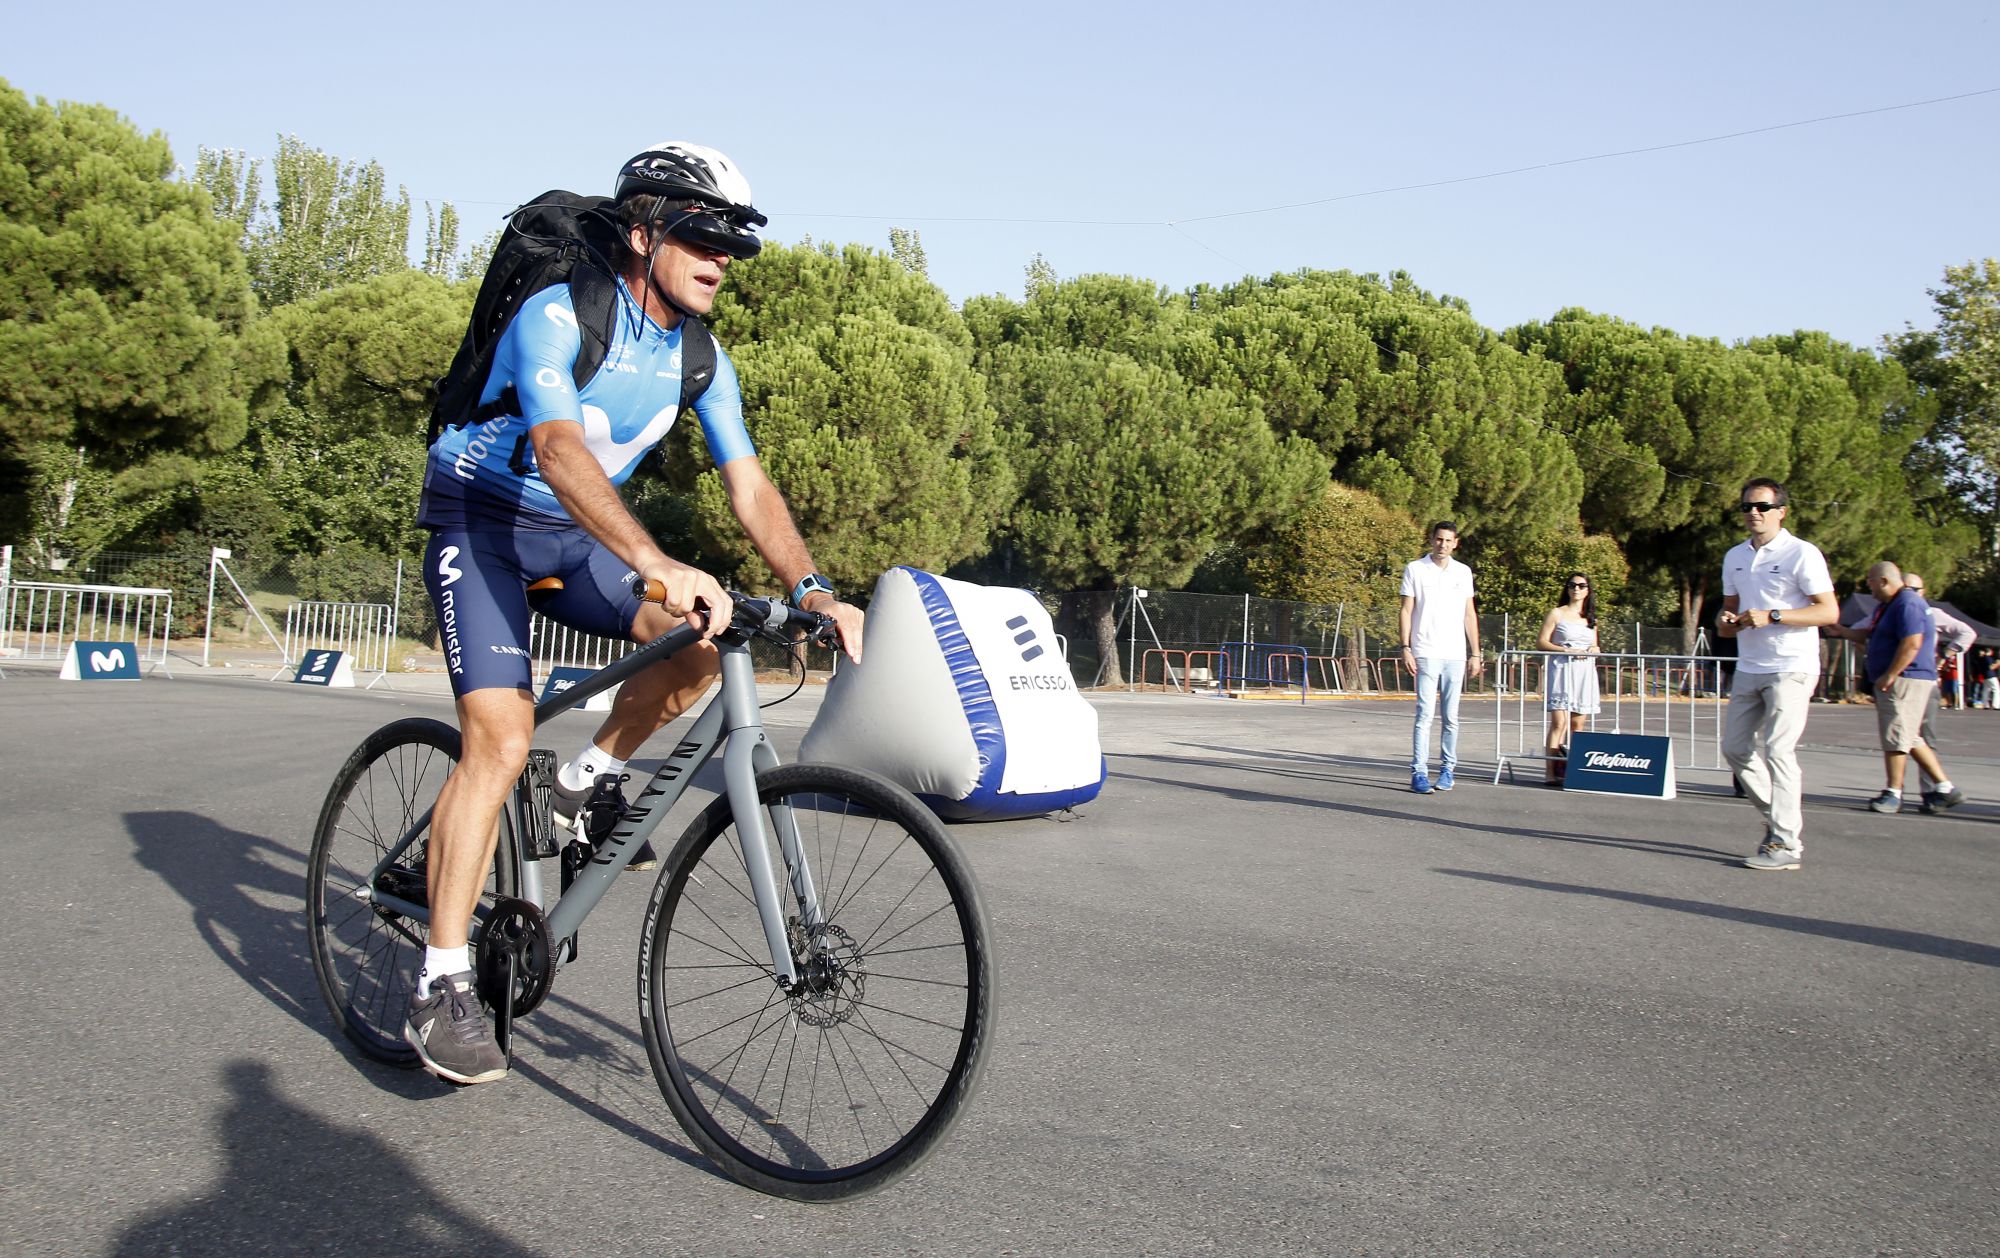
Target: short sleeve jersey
{"points": [[1437, 619], [1784, 573], [483, 476], [1907, 615]]}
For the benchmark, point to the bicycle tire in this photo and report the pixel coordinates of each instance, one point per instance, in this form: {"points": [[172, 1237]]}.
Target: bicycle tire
{"points": [[366, 958], [834, 1092]]}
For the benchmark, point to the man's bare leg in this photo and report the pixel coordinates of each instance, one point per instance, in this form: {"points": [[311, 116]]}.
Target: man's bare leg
{"points": [[497, 725]]}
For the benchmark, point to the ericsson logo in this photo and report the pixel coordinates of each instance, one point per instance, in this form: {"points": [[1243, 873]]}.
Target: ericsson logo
{"points": [[1024, 638]]}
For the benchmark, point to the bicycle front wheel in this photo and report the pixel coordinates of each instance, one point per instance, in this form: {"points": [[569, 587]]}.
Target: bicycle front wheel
{"points": [[845, 1080], [366, 954]]}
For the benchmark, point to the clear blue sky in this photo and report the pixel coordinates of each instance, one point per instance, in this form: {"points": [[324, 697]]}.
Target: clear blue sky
{"points": [[851, 119]]}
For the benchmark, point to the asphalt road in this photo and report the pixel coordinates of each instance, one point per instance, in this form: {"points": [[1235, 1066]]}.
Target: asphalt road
{"points": [[1257, 999]]}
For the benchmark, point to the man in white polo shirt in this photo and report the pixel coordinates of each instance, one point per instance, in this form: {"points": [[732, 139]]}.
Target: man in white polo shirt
{"points": [[1776, 593], [1439, 626]]}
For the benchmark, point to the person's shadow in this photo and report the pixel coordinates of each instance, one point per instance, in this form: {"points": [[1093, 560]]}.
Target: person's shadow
{"points": [[297, 1182], [247, 897]]}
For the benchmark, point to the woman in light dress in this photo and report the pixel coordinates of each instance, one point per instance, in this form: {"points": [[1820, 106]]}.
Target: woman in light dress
{"points": [[1569, 685]]}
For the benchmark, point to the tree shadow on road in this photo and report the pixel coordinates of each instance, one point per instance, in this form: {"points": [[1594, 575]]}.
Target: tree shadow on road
{"points": [[1878, 936], [296, 1182]]}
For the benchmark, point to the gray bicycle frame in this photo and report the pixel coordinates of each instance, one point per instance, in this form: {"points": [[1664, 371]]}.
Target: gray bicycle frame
{"points": [[731, 721]]}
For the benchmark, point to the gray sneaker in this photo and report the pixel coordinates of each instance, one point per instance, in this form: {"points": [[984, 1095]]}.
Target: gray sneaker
{"points": [[449, 1032], [1887, 802], [1938, 801], [1773, 855]]}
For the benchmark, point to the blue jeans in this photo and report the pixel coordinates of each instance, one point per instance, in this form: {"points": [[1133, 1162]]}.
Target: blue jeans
{"points": [[1436, 680]]}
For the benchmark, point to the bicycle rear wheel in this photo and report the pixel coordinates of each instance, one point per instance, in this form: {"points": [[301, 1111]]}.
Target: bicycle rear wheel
{"points": [[366, 956], [845, 1082]]}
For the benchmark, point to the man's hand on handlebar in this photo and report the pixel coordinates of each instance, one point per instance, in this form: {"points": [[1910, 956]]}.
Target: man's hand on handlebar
{"points": [[688, 594], [847, 620]]}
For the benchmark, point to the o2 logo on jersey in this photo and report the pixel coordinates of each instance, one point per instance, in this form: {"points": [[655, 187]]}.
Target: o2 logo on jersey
{"points": [[558, 313]]}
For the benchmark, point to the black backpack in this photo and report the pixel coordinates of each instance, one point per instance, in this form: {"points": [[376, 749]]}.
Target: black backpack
{"points": [[559, 237]]}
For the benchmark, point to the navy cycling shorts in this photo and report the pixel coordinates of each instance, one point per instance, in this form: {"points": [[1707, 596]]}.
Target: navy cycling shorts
{"points": [[479, 582]]}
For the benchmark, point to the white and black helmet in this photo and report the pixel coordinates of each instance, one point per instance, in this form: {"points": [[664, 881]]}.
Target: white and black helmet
{"points": [[722, 219]]}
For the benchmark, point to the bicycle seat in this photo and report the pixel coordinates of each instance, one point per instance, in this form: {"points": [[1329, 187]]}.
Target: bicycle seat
{"points": [[546, 585]]}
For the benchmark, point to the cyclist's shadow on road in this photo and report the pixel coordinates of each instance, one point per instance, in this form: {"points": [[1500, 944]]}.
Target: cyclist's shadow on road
{"points": [[294, 1181], [247, 894]]}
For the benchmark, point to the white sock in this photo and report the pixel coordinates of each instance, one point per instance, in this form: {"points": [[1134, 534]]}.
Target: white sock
{"points": [[1890, 790], [439, 962], [1943, 788], [591, 763]]}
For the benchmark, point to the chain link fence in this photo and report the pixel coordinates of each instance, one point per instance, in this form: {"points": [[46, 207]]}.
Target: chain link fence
{"points": [[1165, 638]]}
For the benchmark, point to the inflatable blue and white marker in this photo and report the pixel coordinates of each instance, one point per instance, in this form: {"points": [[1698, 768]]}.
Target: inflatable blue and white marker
{"points": [[963, 697], [101, 661]]}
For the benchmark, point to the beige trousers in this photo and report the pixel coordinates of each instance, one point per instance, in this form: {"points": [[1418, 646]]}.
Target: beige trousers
{"points": [[1767, 714]]}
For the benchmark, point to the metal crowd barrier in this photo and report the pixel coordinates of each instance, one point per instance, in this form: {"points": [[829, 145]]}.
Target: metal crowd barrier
{"points": [[1270, 665], [1676, 696], [40, 620], [552, 646], [364, 631]]}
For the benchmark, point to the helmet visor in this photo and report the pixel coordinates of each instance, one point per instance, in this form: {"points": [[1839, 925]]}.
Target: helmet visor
{"points": [[732, 232]]}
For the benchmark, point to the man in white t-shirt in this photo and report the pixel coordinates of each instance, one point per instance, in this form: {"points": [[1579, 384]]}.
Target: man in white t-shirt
{"points": [[1440, 629], [1776, 593]]}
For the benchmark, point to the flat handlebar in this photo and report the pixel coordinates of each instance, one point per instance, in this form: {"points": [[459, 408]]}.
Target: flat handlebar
{"points": [[754, 615]]}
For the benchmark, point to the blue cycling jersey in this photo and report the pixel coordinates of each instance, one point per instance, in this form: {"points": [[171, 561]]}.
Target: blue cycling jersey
{"points": [[483, 476]]}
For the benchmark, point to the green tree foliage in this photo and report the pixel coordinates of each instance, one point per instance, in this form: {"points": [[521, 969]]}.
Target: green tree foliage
{"points": [[1523, 579], [793, 289], [907, 248], [332, 222], [365, 355], [1347, 546], [235, 186], [1036, 276], [441, 241], [1957, 364], [1667, 429], [1130, 475], [1115, 313], [128, 339], [1402, 391], [881, 438]]}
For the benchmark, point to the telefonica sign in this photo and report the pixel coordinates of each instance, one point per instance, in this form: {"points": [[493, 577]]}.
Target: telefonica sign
{"points": [[1618, 762], [1621, 764]]}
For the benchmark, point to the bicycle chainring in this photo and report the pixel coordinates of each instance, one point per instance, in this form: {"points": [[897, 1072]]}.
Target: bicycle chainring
{"points": [[516, 928]]}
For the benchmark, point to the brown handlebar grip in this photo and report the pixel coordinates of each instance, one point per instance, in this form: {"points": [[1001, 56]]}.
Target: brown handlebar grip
{"points": [[651, 591]]}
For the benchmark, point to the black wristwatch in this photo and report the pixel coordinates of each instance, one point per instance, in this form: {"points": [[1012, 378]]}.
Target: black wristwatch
{"points": [[810, 583], [1777, 615]]}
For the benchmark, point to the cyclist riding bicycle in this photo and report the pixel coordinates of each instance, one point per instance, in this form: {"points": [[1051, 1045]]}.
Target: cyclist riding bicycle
{"points": [[530, 495]]}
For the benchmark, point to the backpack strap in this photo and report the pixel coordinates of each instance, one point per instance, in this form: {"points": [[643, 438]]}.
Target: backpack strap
{"points": [[593, 296], [697, 360]]}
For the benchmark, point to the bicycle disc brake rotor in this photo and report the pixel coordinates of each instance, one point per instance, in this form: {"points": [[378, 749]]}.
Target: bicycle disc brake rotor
{"points": [[516, 928], [832, 976]]}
